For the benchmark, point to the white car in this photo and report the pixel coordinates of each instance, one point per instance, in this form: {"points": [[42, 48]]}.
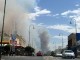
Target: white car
{"points": [[58, 55], [68, 54]]}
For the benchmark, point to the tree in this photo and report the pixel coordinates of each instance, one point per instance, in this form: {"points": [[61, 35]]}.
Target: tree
{"points": [[29, 50], [7, 49], [20, 50], [52, 53]]}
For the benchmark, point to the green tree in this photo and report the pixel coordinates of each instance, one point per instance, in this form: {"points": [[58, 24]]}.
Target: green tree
{"points": [[29, 50], [7, 49], [52, 53]]}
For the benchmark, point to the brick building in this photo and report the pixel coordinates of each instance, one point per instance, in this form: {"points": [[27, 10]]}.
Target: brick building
{"points": [[71, 40], [74, 42]]}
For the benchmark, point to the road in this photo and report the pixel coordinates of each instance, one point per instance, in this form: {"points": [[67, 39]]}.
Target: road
{"points": [[59, 58], [27, 58], [34, 58]]}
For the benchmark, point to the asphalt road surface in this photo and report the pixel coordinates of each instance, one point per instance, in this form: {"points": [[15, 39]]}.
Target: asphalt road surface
{"points": [[27, 58], [59, 58], [34, 58]]}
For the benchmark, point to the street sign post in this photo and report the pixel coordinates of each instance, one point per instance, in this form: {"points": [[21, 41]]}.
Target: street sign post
{"points": [[13, 37]]}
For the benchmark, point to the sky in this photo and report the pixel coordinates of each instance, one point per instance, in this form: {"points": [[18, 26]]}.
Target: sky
{"points": [[59, 17]]}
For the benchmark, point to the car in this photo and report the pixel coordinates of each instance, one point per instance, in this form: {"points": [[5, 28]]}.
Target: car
{"points": [[68, 54], [39, 53], [58, 55]]}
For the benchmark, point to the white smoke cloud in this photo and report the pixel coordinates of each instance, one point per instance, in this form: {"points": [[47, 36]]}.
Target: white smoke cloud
{"points": [[17, 18], [16, 15]]}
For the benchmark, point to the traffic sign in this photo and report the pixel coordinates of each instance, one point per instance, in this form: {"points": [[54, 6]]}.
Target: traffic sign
{"points": [[13, 36]]}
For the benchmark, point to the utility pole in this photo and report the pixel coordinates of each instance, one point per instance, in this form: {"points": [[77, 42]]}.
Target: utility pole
{"points": [[2, 27]]}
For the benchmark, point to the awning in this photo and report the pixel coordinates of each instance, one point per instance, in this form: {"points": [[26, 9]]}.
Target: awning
{"points": [[4, 42]]}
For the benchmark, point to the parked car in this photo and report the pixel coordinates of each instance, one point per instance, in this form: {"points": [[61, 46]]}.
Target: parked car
{"points": [[58, 55], [68, 54]]}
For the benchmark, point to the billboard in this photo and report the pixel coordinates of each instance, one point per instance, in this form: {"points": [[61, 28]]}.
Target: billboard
{"points": [[78, 38]]}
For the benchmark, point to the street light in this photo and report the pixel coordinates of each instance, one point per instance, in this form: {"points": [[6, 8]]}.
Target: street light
{"points": [[62, 40], [29, 34], [3, 27], [75, 24], [75, 37], [54, 46]]}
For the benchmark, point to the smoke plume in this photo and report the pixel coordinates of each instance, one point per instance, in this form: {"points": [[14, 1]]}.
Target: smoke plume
{"points": [[44, 37], [16, 16], [17, 19]]}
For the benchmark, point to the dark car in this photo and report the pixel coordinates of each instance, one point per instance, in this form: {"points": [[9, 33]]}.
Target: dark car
{"points": [[39, 53]]}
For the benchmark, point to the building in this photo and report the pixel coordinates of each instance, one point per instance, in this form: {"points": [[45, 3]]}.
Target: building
{"points": [[71, 40], [19, 41], [6, 39], [74, 42]]}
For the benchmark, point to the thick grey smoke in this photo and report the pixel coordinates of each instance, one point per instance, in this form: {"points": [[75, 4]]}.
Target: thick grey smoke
{"points": [[44, 37], [16, 16]]}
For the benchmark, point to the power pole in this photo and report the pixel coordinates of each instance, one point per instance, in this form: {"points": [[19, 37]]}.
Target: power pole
{"points": [[2, 28]]}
